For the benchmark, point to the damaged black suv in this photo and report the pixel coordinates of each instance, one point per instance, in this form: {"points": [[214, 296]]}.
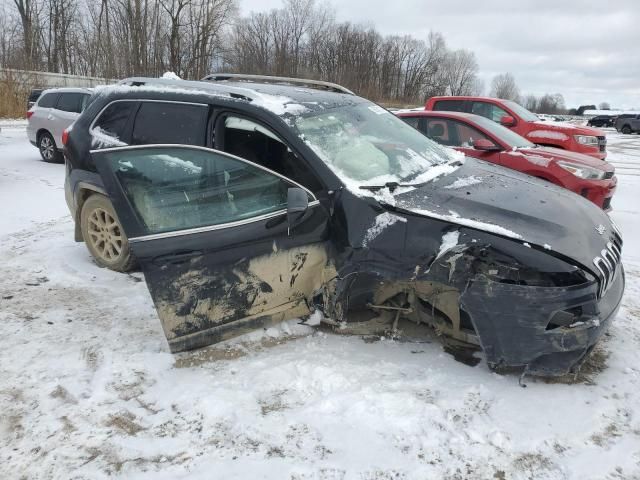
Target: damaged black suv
{"points": [[246, 201]]}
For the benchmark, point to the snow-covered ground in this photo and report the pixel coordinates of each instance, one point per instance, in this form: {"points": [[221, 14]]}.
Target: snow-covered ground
{"points": [[89, 390]]}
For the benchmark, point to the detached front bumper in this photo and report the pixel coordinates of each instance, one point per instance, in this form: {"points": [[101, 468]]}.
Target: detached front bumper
{"points": [[517, 324]]}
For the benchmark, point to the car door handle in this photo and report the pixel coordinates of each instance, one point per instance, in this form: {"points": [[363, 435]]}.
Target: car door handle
{"points": [[176, 258], [49, 117]]}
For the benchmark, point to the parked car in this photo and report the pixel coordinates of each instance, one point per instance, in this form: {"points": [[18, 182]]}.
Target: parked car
{"points": [[479, 137], [34, 94], [628, 123], [246, 202], [601, 121], [54, 111], [509, 114]]}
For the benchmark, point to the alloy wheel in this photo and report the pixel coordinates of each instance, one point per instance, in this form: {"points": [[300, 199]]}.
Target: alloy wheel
{"points": [[46, 147], [105, 235]]}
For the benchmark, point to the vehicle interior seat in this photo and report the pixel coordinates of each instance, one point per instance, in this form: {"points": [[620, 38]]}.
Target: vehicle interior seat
{"points": [[436, 132]]}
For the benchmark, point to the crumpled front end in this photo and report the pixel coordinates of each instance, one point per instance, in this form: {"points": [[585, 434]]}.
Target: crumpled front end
{"points": [[525, 306], [547, 330]]}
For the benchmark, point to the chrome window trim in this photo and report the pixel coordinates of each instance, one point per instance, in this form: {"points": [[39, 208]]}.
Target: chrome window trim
{"points": [[92, 124], [212, 228], [194, 230]]}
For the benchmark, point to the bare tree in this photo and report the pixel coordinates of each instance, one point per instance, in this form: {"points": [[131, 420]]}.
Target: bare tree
{"points": [[604, 106], [460, 71], [118, 38], [530, 102], [29, 12], [504, 86]]}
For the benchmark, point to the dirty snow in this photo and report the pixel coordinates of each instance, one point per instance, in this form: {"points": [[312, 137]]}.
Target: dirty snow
{"points": [[100, 138], [89, 390], [170, 76], [465, 182], [454, 217], [384, 194], [550, 134], [278, 104], [449, 240], [381, 222], [537, 160]]}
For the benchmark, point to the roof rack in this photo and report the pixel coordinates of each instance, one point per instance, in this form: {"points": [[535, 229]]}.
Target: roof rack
{"points": [[233, 92], [220, 77]]}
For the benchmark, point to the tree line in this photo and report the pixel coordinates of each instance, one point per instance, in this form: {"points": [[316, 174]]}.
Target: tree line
{"points": [[504, 86], [119, 38]]}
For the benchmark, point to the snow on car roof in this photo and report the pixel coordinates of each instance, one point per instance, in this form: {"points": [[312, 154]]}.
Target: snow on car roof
{"points": [[277, 98]]}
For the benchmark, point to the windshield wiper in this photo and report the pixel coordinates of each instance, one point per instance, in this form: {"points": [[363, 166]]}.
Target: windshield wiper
{"points": [[390, 185]]}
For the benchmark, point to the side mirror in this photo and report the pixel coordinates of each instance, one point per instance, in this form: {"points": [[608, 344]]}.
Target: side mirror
{"points": [[508, 121], [485, 145], [297, 204]]}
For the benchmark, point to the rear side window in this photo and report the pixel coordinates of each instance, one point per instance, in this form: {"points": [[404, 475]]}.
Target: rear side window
{"points": [[48, 100], [488, 110], [413, 121], [160, 122], [72, 102], [441, 130], [113, 122], [449, 105], [34, 95]]}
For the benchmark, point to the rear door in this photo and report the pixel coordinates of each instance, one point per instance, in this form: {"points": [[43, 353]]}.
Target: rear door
{"points": [[41, 117], [65, 112], [211, 235], [489, 110]]}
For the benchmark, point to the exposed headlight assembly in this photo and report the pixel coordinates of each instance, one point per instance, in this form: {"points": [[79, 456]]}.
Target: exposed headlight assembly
{"points": [[538, 270], [582, 171], [586, 140]]}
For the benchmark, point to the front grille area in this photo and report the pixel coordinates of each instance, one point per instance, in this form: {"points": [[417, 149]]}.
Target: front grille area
{"points": [[602, 143], [608, 262]]}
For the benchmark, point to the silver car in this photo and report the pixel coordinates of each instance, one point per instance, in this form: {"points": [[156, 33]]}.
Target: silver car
{"points": [[55, 110]]}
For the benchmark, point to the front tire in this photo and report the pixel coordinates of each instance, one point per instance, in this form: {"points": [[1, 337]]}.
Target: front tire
{"points": [[48, 150], [104, 236], [626, 130]]}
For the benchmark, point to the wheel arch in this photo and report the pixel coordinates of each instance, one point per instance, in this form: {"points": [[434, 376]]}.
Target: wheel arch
{"points": [[83, 192], [43, 130]]}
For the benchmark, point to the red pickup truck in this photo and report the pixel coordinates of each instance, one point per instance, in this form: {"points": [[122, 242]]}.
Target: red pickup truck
{"points": [[589, 141]]}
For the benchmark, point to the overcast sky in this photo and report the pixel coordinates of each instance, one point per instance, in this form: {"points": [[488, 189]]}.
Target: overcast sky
{"points": [[587, 50]]}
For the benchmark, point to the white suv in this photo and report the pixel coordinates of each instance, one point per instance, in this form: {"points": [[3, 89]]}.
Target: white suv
{"points": [[54, 111]]}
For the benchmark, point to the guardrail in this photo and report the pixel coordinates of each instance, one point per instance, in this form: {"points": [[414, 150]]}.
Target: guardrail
{"points": [[49, 80]]}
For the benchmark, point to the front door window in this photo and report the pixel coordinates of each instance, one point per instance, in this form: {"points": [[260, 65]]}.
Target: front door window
{"points": [[180, 188], [254, 142]]}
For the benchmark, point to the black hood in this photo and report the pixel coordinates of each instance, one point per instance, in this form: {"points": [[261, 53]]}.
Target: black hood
{"points": [[511, 204]]}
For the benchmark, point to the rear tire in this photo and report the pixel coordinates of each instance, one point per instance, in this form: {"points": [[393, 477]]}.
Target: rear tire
{"points": [[626, 130], [104, 236], [48, 150]]}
